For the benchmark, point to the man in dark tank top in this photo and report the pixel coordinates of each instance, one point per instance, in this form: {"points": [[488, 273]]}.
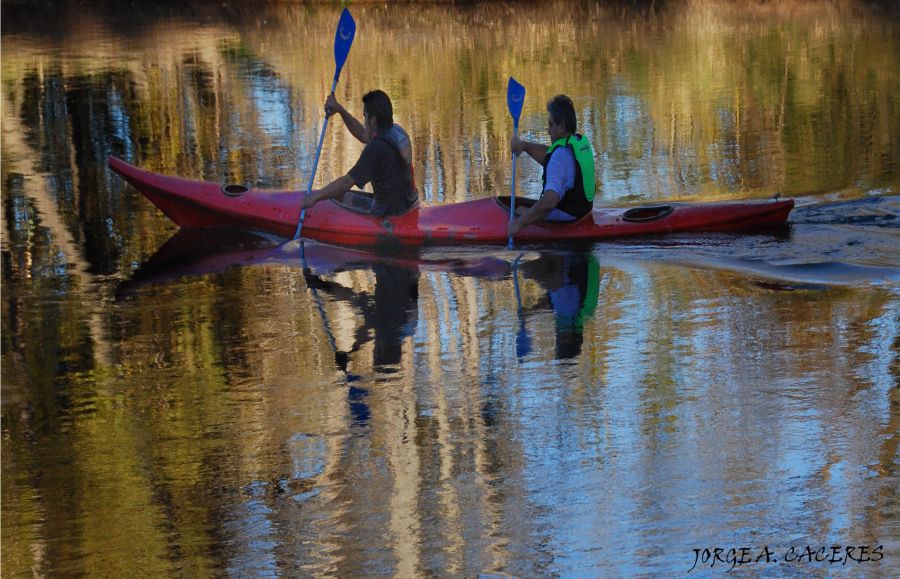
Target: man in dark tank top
{"points": [[386, 161]]}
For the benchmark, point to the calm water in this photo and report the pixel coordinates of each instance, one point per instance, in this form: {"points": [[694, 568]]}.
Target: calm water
{"points": [[204, 404]]}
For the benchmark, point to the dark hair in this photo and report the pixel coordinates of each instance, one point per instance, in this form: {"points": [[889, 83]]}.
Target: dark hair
{"points": [[562, 111], [377, 104]]}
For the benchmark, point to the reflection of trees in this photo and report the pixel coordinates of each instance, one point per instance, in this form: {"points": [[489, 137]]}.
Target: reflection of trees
{"points": [[722, 100]]}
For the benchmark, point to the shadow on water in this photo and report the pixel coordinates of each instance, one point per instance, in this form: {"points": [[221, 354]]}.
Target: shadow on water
{"points": [[385, 316], [196, 252], [569, 280]]}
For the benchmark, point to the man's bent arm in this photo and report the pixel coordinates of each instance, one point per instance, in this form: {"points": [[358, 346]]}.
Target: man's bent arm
{"points": [[334, 189], [536, 151], [356, 128], [535, 213]]}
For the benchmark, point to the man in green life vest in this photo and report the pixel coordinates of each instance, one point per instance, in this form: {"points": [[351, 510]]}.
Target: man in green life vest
{"points": [[568, 192]]}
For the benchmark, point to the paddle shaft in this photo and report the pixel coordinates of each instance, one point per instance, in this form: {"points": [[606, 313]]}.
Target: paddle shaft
{"points": [[512, 197], [317, 301], [523, 340], [516, 283], [315, 164], [343, 40]]}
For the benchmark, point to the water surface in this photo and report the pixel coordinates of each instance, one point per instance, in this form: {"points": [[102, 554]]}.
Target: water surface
{"points": [[196, 404]]}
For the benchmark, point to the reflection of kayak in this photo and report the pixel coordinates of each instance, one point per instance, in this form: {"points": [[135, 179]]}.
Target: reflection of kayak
{"points": [[195, 252], [192, 203]]}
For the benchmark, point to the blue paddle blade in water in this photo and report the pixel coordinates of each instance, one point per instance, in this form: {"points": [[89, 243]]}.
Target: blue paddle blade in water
{"points": [[343, 38], [515, 96], [523, 341]]}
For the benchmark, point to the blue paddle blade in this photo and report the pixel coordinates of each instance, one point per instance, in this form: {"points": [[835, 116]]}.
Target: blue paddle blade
{"points": [[523, 341], [343, 38], [515, 96]]}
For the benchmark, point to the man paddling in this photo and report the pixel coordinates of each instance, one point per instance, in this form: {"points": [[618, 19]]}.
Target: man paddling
{"points": [[386, 161], [568, 188]]}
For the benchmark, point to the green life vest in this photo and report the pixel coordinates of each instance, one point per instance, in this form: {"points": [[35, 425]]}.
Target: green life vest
{"points": [[586, 276], [577, 201]]}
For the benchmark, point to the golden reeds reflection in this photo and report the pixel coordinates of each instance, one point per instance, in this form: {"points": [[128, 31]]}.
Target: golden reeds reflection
{"points": [[694, 108]]}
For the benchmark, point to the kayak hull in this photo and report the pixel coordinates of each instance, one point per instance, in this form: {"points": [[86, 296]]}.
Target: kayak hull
{"points": [[201, 204]]}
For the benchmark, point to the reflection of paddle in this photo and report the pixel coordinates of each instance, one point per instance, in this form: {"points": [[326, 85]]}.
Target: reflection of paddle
{"points": [[341, 359], [523, 340], [343, 38], [515, 95]]}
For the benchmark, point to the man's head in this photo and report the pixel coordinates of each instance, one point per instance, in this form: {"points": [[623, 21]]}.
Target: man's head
{"points": [[377, 106], [562, 117]]}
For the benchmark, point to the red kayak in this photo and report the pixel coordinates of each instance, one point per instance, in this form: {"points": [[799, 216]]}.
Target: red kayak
{"points": [[191, 203]]}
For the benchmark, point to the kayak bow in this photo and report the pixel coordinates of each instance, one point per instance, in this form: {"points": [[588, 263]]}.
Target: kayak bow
{"points": [[199, 204]]}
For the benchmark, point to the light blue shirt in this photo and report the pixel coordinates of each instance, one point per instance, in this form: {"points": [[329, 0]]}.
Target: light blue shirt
{"points": [[560, 178]]}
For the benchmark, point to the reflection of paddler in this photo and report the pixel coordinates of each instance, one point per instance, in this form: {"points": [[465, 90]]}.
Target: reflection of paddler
{"points": [[572, 281], [388, 315], [393, 311]]}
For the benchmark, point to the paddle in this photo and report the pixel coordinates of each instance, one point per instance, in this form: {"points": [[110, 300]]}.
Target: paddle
{"points": [[341, 358], [523, 340], [343, 39], [515, 95]]}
